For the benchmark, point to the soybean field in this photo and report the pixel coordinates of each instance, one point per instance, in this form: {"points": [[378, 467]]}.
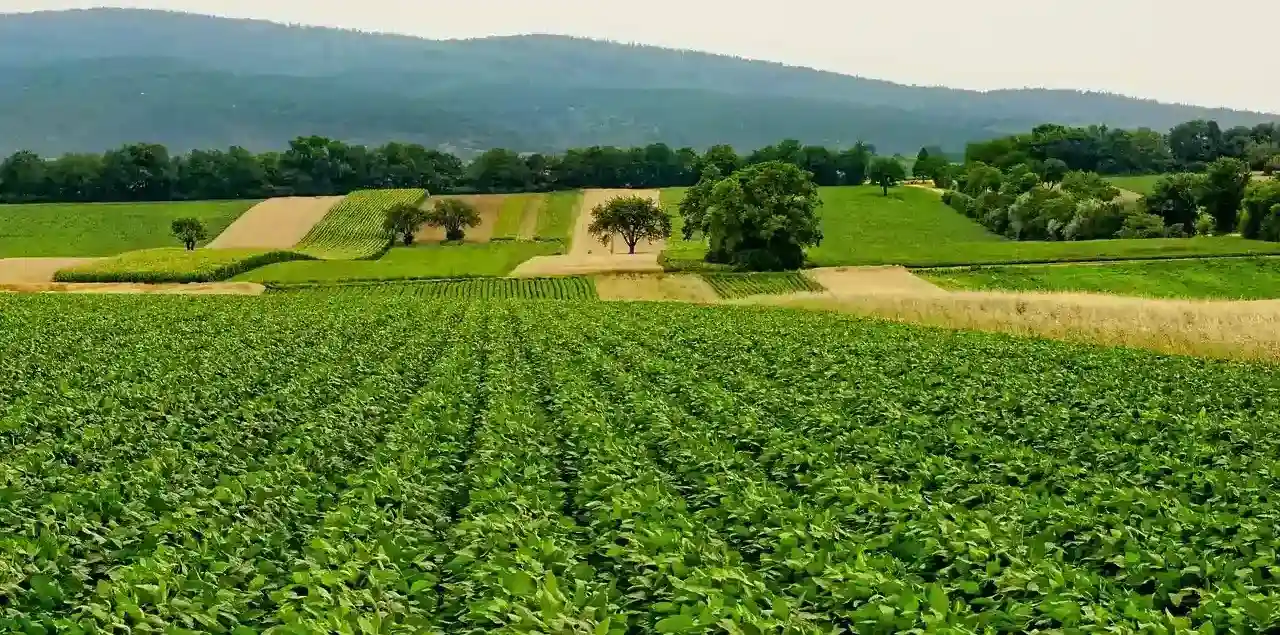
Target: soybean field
{"points": [[296, 463], [741, 285], [569, 288], [352, 230]]}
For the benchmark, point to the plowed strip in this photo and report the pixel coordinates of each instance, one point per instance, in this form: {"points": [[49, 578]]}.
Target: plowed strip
{"points": [[277, 223], [29, 270]]}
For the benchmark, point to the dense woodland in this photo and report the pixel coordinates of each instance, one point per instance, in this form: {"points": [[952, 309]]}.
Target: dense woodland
{"points": [[314, 166], [192, 82]]}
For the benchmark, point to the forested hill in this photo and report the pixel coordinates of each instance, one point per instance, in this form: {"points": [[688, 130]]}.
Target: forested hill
{"points": [[89, 80]]}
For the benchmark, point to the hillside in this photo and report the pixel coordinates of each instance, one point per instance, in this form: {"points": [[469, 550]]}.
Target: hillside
{"points": [[152, 75]]}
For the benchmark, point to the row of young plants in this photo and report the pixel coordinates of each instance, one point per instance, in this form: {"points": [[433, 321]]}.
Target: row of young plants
{"points": [[353, 229], [564, 288], [741, 285], [377, 466]]}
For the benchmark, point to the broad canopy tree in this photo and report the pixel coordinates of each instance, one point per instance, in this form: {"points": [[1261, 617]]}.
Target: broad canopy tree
{"points": [[188, 230], [886, 172], [455, 216], [1176, 199], [403, 221], [763, 216], [634, 218], [1222, 192]]}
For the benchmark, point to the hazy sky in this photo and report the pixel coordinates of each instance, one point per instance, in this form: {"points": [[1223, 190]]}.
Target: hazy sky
{"points": [[1192, 51]]}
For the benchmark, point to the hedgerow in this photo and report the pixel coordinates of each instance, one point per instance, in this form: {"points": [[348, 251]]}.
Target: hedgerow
{"points": [[301, 463], [176, 265]]}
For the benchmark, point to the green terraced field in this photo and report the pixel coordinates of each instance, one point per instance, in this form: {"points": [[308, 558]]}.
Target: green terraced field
{"points": [[573, 288], [352, 230], [302, 463], [741, 285]]}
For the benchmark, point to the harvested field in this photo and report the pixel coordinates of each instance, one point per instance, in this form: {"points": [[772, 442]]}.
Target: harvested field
{"points": [[667, 287], [1235, 330], [584, 244], [34, 270], [278, 223], [489, 206], [203, 288], [540, 266], [843, 281]]}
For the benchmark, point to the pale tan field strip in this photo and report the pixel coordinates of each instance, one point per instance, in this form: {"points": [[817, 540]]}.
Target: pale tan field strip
{"points": [[1239, 330], [529, 222], [487, 205], [663, 287], [199, 288], [35, 270], [844, 281], [276, 223]]}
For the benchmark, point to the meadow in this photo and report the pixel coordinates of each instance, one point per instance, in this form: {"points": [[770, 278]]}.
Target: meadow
{"points": [[1143, 184], [1221, 278], [912, 227], [104, 229], [422, 261], [301, 463]]}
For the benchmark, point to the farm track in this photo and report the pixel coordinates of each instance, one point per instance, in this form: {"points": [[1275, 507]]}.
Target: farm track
{"points": [[277, 223]]}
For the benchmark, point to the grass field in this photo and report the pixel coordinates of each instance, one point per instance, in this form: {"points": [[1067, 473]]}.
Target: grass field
{"points": [[1143, 184], [567, 288], [741, 285], [104, 229], [175, 264], [512, 215], [913, 228], [410, 263], [557, 218], [304, 463], [1224, 278], [353, 228]]}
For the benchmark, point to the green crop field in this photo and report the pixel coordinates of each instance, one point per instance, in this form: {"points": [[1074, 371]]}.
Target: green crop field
{"points": [[912, 227], [104, 229], [410, 263], [512, 212], [568, 288], [298, 463], [741, 285], [175, 264], [558, 216], [352, 230], [1138, 184], [1221, 278]]}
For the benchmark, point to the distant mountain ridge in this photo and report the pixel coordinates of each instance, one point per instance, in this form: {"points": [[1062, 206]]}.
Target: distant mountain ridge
{"points": [[86, 80]]}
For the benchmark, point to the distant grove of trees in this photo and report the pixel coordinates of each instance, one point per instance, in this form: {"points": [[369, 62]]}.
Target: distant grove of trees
{"points": [[1188, 147], [316, 166]]}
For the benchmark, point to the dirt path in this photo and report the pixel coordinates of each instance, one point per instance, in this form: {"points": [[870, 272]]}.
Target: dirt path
{"points": [[206, 288], [529, 222], [35, 270], [277, 223], [584, 244], [487, 205]]}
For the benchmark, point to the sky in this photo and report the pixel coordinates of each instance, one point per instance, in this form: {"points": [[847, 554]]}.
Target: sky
{"points": [[1186, 51]]}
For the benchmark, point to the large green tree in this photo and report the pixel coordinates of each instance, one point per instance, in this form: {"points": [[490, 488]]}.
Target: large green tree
{"points": [[454, 216], [188, 230], [403, 221], [763, 216], [886, 172], [1262, 211], [1222, 192], [1176, 199]]}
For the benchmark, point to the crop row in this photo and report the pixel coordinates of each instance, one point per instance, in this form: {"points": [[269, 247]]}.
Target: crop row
{"points": [[352, 230], [741, 285], [299, 463], [168, 264], [568, 288]]}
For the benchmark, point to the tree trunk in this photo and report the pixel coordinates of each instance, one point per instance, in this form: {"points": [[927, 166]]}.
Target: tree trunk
{"points": [[191, 245], [631, 247]]}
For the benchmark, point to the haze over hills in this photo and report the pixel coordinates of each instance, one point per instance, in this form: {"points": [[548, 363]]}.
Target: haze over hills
{"points": [[90, 80]]}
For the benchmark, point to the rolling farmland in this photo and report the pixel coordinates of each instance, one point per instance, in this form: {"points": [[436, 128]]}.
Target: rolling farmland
{"points": [[352, 230], [304, 463]]}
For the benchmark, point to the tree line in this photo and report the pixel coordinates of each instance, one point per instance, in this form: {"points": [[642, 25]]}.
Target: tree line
{"points": [[318, 166], [1188, 147]]}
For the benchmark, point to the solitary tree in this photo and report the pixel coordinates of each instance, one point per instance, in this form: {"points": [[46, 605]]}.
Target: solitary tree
{"points": [[928, 164], [635, 218], [189, 230], [455, 216], [886, 172], [1222, 192], [1053, 171], [763, 216], [403, 221]]}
